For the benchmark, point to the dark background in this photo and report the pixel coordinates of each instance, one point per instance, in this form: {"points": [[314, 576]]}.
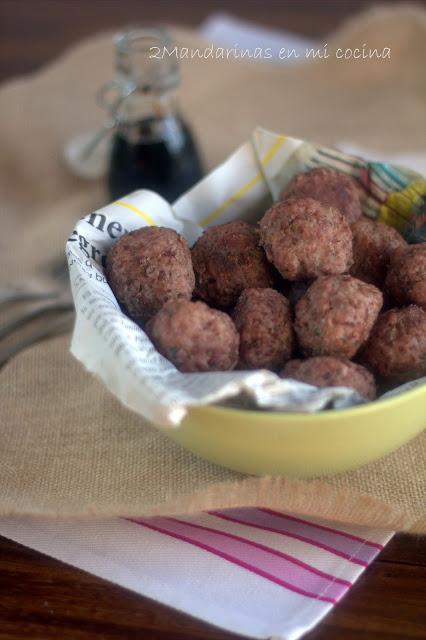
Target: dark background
{"points": [[35, 31]]}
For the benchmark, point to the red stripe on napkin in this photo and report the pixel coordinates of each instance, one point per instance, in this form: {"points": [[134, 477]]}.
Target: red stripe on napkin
{"points": [[322, 527], [352, 550], [277, 567]]}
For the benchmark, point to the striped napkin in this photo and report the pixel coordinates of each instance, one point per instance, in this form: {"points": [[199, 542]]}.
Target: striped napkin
{"points": [[253, 571]]}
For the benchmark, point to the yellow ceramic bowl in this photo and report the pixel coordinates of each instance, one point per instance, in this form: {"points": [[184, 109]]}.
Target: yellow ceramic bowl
{"points": [[302, 445]]}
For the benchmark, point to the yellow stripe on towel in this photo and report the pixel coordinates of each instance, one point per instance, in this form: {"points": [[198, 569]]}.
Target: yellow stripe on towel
{"points": [[140, 213]]}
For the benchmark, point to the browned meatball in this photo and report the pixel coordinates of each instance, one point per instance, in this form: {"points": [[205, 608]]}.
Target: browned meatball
{"points": [[325, 371], [396, 349], [305, 239], [195, 337], [330, 187], [227, 259], [373, 244], [406, 279], [336, 315], [147, 267], [263, 320]]}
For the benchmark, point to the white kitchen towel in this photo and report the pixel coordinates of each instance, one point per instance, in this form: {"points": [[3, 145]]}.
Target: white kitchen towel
{"points": [[253, 571]]}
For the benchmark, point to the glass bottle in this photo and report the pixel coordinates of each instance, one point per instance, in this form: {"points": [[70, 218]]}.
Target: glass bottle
{"points": [[153, 147]]}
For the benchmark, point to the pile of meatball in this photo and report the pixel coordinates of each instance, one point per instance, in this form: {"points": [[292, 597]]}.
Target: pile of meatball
{"points": [[316, 292]]}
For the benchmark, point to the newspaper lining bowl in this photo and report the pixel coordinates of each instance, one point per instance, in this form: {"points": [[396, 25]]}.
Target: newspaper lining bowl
{"points": [[291, 437]]}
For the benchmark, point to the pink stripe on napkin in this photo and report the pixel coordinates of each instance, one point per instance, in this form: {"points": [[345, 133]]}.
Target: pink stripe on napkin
{"points": [[283, 569], [229, 568], [321, 527], [353, 548]]}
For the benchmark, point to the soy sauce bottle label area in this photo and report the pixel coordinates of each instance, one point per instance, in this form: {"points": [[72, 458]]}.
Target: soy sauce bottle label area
{"points": [[152, 146]]}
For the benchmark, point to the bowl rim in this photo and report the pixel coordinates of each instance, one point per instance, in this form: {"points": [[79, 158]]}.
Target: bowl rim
{"points": [[324, 415]]}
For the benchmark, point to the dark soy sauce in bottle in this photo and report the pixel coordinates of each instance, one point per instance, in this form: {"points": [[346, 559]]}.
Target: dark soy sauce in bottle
{"points": [[152, 148]]}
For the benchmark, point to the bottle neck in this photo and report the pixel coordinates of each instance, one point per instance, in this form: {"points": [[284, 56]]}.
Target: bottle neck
{"points": [[143, 105], [146, 83]]}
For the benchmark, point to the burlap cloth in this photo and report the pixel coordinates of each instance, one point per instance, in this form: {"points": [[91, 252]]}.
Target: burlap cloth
{"points": [[66, 446]]}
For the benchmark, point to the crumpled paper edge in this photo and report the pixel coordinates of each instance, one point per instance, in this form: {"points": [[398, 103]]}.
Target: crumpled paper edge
{"points": [[164, 399]]}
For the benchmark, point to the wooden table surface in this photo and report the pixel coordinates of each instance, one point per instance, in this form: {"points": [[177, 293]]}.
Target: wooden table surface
{"points": [[43, 599]]}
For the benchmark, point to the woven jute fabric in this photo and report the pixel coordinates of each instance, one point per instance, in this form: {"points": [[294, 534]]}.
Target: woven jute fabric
{"points": [[67, 447]]}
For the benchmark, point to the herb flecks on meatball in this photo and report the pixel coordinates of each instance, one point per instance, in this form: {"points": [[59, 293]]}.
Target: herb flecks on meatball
{"points": [[336, 315], [396, 349], [227, 259], [263, 320], [374, 243], [305, 239], [326, 371], [330, 187], [194, 337], [148, 267], [406, 278]]}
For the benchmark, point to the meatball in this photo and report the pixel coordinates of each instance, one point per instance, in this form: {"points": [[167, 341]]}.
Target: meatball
{"points": [[330, 187], [195, 337], [227, 259], [396, 349], [325, 371], [148, 267], [305, 239], [263, 320], [406, 278], [373, 245], [336, 315]]}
